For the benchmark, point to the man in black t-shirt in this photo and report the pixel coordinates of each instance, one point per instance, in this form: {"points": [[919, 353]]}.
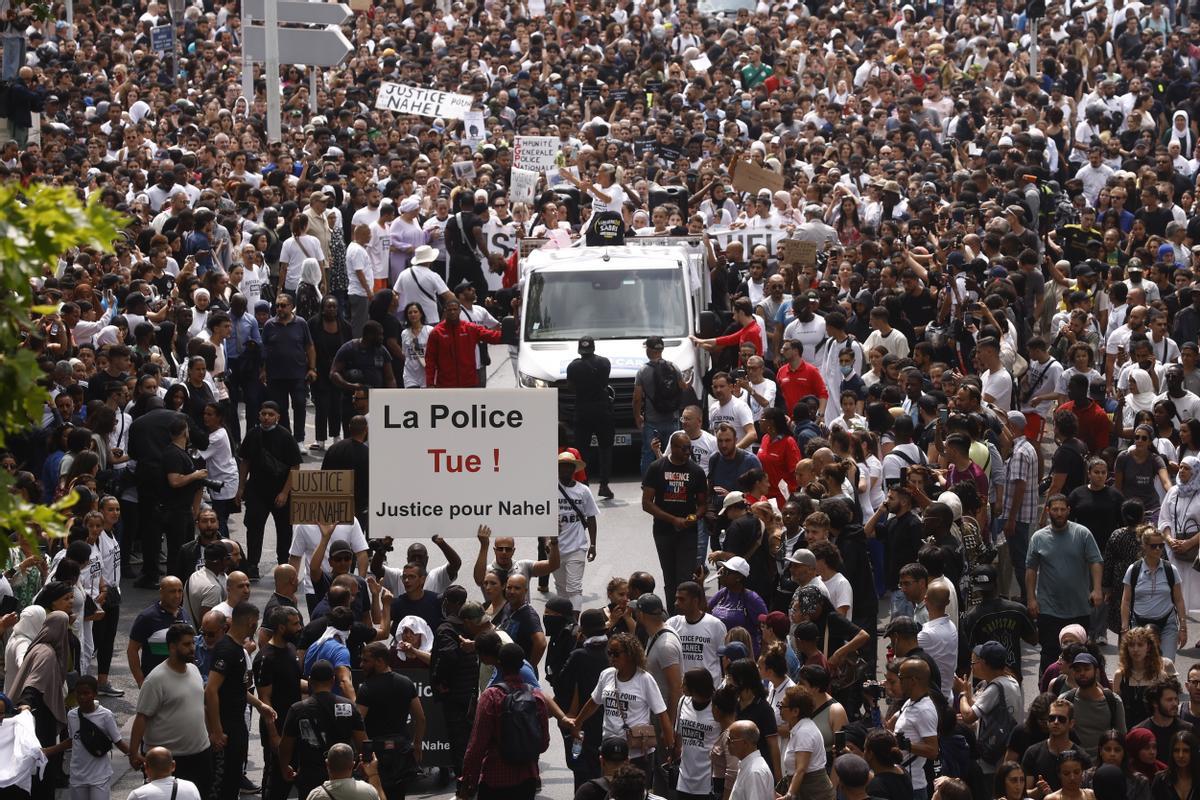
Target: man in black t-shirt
{"points": [[674, 492], [225, 698], [182, 482], [313, 726], [588, 378], [994, 620], [360, 632], [277, 676], [386, 700], [266, 459]]}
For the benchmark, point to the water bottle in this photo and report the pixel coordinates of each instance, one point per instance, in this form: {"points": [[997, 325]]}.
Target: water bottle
{"points": [[576, 748]]}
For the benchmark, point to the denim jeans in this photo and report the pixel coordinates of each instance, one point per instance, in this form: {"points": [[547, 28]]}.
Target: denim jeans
{"points": [[651, 431]]}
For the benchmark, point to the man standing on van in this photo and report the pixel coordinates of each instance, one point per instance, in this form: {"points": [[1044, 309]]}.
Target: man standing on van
{"points": [[657, 399]]}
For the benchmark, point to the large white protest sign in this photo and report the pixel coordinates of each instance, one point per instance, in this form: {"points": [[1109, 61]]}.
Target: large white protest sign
{"points": [[536, 153], [422, 102], [446, 461], [749, 237], [522, 186]]}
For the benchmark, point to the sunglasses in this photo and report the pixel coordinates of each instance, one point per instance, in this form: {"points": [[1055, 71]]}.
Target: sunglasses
{"points": [[1141, 438], [1156, 545], [1056, 718]]}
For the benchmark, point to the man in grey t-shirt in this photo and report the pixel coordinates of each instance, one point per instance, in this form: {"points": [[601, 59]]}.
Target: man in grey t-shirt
{"points": [[664, 651]]}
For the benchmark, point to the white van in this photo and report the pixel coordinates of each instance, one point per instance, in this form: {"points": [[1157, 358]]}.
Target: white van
{"points": [[619, 296]]}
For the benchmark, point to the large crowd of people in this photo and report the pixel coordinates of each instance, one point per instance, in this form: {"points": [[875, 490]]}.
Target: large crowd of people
{"points": [[965, 420]]}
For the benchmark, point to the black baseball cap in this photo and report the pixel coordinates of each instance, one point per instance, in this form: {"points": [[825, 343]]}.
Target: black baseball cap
{"points": [[654, 343]]}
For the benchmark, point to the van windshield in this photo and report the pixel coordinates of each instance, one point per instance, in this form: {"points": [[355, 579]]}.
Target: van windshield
{"points": [[605, 304]]}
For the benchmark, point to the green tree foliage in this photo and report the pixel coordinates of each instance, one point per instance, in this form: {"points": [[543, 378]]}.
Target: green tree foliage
{"points": [[37, 225]]}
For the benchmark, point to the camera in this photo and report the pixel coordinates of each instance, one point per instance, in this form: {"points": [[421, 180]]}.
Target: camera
{"points": [[379, 546], [874, 690], [212, 486], [739, 374]]}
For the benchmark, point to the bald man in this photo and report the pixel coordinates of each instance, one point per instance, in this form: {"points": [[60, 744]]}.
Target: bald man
{"points": [[160, 785], [237, 590], [520, 620], [939, 637], [506, 563], [287, 586], [918, 721], [754, 779], [675, 494], [148, 634]]}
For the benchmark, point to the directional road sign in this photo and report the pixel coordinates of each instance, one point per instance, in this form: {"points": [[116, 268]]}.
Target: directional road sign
{"points": [[313, 47], [302, 11], [162, 38]]}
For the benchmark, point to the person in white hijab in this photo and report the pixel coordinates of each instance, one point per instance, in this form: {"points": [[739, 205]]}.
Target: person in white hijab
{"points": [[1179, 521], [414, 643], [1141, 395], [26, 630]]}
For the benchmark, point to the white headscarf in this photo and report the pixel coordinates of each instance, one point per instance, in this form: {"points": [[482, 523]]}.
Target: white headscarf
{"points": [[418, 626], [1141, 392], [1189, 488], [33, 618], [310, 273]]}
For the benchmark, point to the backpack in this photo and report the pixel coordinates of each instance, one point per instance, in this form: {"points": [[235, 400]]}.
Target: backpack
{"points": [[1109, 698], [993, 737], [667, 396], [1137, 573], [520, 727]]}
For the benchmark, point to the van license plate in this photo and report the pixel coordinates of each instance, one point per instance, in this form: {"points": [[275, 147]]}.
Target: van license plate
{"points": [[619, 440]]}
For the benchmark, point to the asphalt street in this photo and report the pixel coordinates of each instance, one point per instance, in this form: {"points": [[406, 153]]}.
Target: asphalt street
{"points": [[624, 545]]}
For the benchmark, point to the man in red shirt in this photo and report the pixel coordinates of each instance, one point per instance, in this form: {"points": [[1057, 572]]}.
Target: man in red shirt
{"points": [[797, 378], [450, 353], [485, 765], [749, 331], [1094, 424]]}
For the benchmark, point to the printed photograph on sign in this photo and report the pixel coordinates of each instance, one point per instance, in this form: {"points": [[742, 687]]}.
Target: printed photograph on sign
{"points": [[470, 458]]}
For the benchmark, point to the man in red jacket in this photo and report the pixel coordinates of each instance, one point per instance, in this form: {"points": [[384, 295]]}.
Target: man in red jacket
{"points": [[450, 353]]}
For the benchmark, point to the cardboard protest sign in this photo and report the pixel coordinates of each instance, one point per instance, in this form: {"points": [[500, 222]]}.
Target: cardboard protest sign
{"points": [[449, 460], [748, 177], [322, 496], [536, 153], [423, 102], [795, 251]]}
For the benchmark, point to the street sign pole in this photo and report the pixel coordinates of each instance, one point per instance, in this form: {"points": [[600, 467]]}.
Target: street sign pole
{"points": [[247, 64], [312, 89], [271, 67], [175, 7]]}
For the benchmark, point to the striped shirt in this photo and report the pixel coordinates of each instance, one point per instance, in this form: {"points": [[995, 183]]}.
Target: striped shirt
{"points": [[1022, 466]]}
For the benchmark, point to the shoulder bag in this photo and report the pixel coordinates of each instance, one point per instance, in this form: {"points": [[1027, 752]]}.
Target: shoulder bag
{"points": [[640, 737]]}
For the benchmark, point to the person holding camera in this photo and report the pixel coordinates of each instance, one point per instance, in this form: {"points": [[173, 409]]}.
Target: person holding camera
{"points": [[916, 726]]}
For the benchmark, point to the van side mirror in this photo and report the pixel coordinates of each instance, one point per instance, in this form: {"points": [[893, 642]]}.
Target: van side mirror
{"points": [[710, 324], [508, 331]]}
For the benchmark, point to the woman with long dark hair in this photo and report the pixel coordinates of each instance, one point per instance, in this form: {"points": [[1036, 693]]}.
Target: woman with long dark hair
{"points": [[1177, 781]]}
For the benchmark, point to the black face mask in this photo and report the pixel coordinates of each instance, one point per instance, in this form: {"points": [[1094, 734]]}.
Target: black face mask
{"points": [[553, 624], [805, 315], [481, 208]]}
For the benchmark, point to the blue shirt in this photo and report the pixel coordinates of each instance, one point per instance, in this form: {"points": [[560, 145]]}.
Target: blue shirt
{"points": [[725, 472], [527, 675], [245, 329]]}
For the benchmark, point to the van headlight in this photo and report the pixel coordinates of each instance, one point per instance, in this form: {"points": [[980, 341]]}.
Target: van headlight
{"points": [[688, 374], [530, 382]]}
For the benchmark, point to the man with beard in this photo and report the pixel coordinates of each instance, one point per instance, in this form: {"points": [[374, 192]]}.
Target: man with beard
{"points": [[1063, 562], [386, 700], [1096, 709]]}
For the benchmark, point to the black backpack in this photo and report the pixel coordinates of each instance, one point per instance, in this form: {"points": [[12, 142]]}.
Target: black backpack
{"points": [[520, 726], [667, 395]]}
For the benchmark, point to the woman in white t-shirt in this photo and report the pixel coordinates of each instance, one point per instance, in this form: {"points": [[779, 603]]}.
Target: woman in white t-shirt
{"points": [[803, 758], [413, 340], [698, 730], [629, 697]]}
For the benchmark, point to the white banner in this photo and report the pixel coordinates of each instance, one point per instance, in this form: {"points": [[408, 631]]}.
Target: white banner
{"points": [[749, 237], [446, 461], [536, 153], [523, 186], [423, 102]]}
